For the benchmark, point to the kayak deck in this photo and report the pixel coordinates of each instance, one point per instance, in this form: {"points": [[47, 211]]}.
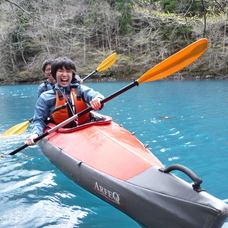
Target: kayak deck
{"points": [[95, 145]]}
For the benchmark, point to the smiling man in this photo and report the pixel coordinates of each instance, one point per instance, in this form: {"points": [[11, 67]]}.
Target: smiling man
{"points": [[50, 81], [65, 100]]}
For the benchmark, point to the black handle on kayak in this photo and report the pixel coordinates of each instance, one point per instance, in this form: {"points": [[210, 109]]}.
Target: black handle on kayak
{"points": [[187, 171]]}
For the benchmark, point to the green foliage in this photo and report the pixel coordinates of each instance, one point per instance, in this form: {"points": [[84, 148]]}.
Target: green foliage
{"points": [[169, 5], [125, 7], [92, 29], [183, 6], [26, 77]]}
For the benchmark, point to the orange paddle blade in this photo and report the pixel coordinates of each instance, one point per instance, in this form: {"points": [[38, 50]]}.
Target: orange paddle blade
{"points": [[107, 62], [175, 62], [17, 129]]}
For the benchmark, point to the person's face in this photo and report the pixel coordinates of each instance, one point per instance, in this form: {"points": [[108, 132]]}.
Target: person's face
{"points": [[64, 77], [47, 72]]}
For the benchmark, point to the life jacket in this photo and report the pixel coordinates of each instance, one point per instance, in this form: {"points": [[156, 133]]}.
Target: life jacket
{"points": [[64, 106]]}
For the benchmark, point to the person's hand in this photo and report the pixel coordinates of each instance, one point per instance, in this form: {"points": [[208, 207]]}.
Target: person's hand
{"points": [[30, 140], [96, 104]]}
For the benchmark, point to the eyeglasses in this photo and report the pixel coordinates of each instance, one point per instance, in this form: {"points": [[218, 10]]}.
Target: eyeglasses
{"points": [[48, 69]]}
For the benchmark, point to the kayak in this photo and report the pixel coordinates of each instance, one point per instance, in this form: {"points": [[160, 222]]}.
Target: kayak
{"points": [[111, 163]]}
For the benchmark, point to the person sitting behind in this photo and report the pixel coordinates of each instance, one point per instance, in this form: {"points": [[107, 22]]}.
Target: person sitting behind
{"points": [[48, 84], [50, 102]]}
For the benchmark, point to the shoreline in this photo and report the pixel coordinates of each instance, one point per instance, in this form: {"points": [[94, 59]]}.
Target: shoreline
{"points": [[111, 79]]}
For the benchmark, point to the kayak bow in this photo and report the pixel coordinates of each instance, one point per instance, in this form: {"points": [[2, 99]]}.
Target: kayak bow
{"points": [[112, 164]]}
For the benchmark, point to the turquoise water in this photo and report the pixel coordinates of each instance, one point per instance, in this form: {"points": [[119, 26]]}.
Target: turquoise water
{"points": [[183, 122]]}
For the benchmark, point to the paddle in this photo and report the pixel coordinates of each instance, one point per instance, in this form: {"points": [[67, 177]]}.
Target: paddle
{"points": [[104, 65], [21, 127], [163, 69], [18, 129]]}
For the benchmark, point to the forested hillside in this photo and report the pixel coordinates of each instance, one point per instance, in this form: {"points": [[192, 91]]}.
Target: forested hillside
{"points": [[142, 32]]}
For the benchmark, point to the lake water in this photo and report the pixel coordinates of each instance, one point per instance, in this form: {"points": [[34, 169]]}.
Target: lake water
{"points": [[183, 122]]}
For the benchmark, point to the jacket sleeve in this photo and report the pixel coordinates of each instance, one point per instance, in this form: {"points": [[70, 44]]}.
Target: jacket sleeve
{"points": [[41, 89], [88, 94], [40, 116]]}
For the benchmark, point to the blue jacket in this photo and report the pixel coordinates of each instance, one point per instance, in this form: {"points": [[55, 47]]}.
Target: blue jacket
{"points": [[46, 104], [45, 86]]}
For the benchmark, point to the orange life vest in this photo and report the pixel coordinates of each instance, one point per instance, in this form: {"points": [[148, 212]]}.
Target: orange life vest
{"points": [[63, 110]]}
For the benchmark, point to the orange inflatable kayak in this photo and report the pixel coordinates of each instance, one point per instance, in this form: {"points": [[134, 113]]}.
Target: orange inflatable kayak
{"points": [[111, 163]]}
